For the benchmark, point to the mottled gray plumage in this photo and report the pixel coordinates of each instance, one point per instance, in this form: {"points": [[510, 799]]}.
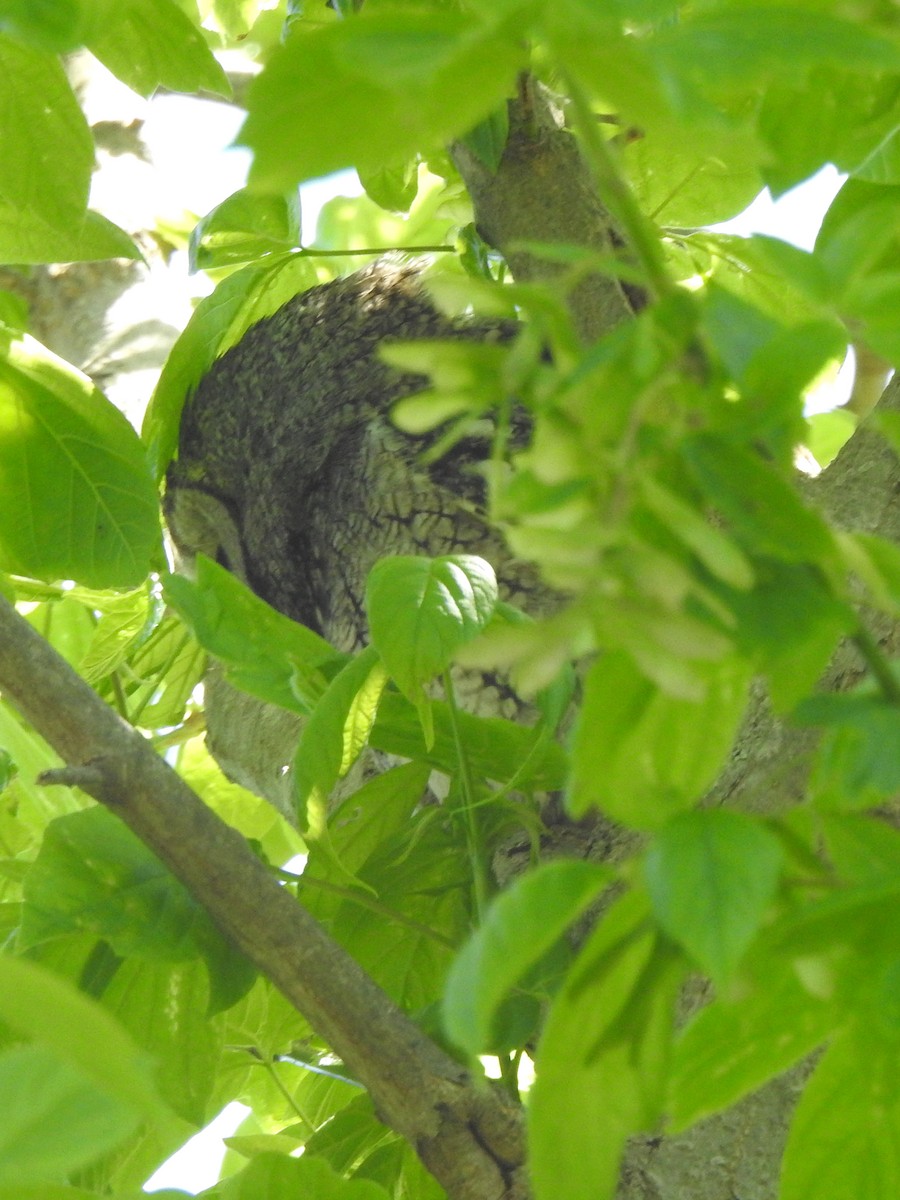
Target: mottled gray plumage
{"points": [[291, 471]]}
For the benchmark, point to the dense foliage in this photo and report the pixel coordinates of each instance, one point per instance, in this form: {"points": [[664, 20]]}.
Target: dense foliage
{"points": [[658, 493]]}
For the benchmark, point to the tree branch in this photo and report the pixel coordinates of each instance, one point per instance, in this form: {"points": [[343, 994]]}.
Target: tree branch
{"points": [[544, 191], [469, 1137]]}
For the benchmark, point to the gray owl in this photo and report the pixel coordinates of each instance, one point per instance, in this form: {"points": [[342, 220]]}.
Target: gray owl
{"points": [[291, 472]]}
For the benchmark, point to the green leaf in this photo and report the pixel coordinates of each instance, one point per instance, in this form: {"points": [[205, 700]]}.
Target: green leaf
{"points": [[392, 188], [51, 25], [521, 925], [151, 43], [46, 146], [264, 652], [269, 1176], [495, 748], [78, 499], [602, 1058], [50, 1010], [165, 1007], [421, 873], [218, 323], [759, 503], [93, 875], [374, 814], [834, 116], [844, 1142], [245, 226], [56, 1119], [421, 610], [26, 238], [742, 45], [714, 549], [63, 1191], [860, 231], [336, 732], [737, 330], [641, 754], [685, 182], [734, 1045], [789, 625], [373, 90], [711, 876], [857, 763], [487, 140], [863, 849]]}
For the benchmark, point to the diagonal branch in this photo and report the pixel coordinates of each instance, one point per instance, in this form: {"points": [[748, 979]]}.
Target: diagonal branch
{"points": [[469, 1137]]}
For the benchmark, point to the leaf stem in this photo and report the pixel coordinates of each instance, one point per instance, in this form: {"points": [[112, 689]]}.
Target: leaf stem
{"points": [[473, 834]]}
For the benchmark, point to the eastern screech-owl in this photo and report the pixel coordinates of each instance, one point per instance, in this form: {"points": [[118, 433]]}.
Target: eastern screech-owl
{"points": [[291, 472]]}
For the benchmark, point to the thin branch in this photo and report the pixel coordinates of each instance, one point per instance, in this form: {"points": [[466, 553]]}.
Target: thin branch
{"points": [[470, 1138]]}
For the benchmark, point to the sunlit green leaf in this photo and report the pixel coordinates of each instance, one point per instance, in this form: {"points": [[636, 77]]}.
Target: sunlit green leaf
{"points": [[44, 138], [392, 188], [421, 610], [429, 76], [93, 875], [723, 49], [698, 181], [52, 1011], [245, 226], [151, 43], [338, 728], [165, 1008], [271, 1175]]}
